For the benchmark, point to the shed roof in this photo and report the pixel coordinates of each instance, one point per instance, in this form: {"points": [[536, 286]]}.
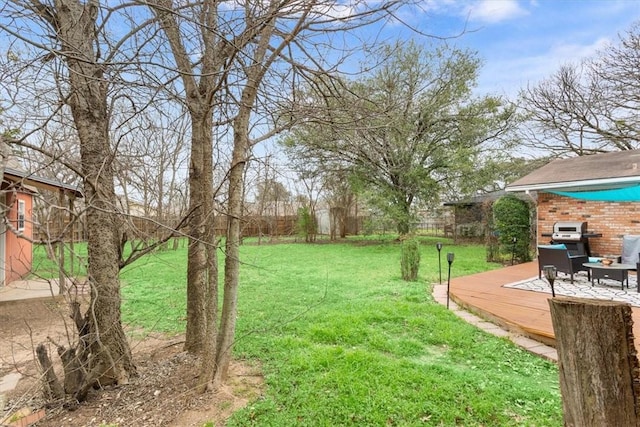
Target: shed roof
{"points": [[596, 171], [18, 175]]}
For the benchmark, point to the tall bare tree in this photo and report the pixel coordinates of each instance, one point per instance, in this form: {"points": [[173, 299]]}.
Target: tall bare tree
{"points": [[239, 48], [254, 68], [202, 81], [589, 107], [74, 28]]}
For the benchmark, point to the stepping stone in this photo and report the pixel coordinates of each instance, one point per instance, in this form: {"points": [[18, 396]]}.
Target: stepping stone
{"points": [[9, 381]]}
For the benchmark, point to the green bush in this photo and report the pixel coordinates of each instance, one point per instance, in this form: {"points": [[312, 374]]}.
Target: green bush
{"points": [[306, 225], [410, 259], [512, 220]]}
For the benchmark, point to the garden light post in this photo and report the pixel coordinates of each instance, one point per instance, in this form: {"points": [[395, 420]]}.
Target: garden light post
{"points": [[439, 248], [450, 261], [550, 274], [513, 248]]}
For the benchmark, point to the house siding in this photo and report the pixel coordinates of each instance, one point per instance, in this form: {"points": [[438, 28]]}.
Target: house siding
{"points": [[611, 219], [18, 250]]}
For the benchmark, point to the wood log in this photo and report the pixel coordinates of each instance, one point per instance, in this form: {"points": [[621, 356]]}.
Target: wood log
{"points": [[51, 385], [597, 361], [82, 324], [74, 373]]}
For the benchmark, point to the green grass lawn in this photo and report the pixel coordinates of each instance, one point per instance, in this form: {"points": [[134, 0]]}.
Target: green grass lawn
{"points": [[342, 340]]}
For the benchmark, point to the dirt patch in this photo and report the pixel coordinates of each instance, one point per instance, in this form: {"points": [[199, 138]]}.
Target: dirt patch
{"points": [[162, 394]]}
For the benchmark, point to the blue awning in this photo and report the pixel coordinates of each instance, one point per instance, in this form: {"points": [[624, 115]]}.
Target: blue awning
{"points": [[626, 194]]}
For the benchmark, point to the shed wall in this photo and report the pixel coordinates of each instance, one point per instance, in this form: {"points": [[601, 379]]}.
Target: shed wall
{"points": [[18, 250]]}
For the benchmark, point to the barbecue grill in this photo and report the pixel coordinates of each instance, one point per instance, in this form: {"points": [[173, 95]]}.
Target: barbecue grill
{"points": [[574, 235]]}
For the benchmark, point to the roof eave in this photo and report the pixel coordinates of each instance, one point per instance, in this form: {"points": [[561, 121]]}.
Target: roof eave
{"points": [[560, 186], [40, 182]]}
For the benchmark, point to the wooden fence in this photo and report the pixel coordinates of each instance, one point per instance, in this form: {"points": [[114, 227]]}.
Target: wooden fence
{"points": [[252, 226], [150, 228]]}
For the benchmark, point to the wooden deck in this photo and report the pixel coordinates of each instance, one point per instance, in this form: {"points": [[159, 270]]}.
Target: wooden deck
{"points": [[524, 312]]}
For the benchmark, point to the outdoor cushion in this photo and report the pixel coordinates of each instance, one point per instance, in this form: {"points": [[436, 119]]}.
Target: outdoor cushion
{"points": [[630, 249], [556, 246]]}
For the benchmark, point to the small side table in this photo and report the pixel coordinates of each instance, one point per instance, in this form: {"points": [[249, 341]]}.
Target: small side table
{"points": [[615, 271]]}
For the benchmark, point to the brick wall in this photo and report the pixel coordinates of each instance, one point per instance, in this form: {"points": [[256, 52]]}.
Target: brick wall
{"points": [[611, 219]]}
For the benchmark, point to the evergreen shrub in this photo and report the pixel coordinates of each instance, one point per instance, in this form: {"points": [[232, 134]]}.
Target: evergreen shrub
{"points": [[410, 259]]}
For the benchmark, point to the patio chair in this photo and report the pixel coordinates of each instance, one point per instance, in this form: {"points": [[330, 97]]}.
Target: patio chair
{"points": [[562, 260], [631, 253], [630, 249]]}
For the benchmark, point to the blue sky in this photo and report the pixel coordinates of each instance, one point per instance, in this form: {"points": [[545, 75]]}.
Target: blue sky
{"points": [[523, 41]]}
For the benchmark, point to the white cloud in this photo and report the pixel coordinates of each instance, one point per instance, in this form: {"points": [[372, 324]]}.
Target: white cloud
{"points": [[492, 11], [524, 41], [564, 52], [507, 76]]}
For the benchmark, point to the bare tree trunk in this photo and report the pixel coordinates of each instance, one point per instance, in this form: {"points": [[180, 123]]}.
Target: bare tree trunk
{"points": [[5, 151], [232, 260], [4, 155], [74, 22], [73, 220], [108, 340], [62, 285], [202, 279], [333, 223], [197, 252], [205, 296], [344, 218], [241, 148]]}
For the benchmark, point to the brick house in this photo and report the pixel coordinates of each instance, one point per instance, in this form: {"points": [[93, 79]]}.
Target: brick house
{"points": [[600, 189], [17, 192]]}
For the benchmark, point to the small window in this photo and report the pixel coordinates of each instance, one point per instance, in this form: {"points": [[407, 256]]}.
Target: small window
{"points": [[21, 209]]}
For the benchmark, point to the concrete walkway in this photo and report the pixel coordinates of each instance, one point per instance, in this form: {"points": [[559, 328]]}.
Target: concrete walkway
{"points": [[35, 288], [532, 346], [12, 295]]}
